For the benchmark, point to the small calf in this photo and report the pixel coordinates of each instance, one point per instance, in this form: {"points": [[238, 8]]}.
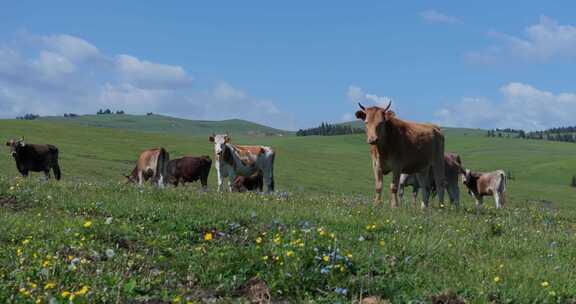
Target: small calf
{"points": [[482, 184], [249, 183]]}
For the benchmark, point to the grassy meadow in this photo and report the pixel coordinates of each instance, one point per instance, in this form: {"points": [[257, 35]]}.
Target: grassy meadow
{"points": [[93, 239]]}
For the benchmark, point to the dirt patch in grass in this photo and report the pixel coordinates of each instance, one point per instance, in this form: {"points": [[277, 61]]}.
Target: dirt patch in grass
{"points": [[12, 203], [448, 297]]}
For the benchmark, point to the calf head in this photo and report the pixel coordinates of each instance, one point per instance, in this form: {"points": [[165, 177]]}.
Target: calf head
{"points": [[375, 119], [15, 146], [468, 180], [220, 142]]}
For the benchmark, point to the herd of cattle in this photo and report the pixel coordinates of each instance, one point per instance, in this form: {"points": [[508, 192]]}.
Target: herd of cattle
{"points": [[413, 152]]}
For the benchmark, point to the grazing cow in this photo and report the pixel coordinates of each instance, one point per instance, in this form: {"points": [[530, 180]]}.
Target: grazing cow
{"points": [[189, 169], [400, 146], [249, 183], [452, 170], [152, 164], [482, 184], [35, 158], [235, 160]]}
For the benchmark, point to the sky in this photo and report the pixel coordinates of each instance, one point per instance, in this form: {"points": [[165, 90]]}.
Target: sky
{"points": [[293, 64]]}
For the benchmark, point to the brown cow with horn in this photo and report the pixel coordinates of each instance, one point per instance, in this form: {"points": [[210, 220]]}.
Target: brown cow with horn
{"points": [[400, 146]]}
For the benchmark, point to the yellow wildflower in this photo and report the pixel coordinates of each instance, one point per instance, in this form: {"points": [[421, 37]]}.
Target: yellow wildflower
{"points": [[49, 285], [176, 299], [208, 236], [26, 241], [65, 294], [545, 284], [258, 240], [46, 263], [87, 224], [382, 243], [290, 253], [326, 258], [82, 291], [496, 279]]}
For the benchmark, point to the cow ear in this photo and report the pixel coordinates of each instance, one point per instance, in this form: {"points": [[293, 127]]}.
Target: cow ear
{"points": [[361, 115], [211, 138], [389, 114], [226, 139], [8, 144]]}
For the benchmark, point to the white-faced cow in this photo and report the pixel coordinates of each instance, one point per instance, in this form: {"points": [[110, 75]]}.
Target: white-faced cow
{"points": [[452, 170], [236, 160], [482, 184], [152, 164], [399, 146], [35, 158]]}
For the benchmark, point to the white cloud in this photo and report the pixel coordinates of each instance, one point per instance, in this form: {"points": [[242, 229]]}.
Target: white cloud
{"points": [[148, 74], [73, 48], [356, 94], [541, 42], [434, 16], [522, 107], [51, 75]]}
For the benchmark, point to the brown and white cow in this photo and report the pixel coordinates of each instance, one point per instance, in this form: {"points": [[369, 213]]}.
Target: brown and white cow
{"points": [[400, 146], [452, 170], [482, 184], [254, 182], [152, 164], [236, 160]]}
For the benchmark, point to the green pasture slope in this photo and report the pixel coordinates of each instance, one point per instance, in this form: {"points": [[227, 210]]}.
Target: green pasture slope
{"points": [[92, 239]]}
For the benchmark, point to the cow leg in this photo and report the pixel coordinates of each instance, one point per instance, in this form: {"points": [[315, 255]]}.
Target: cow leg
{"points": [[377, 179], [46, 175], [498, 200], [160, 182], [269, 180], [220, 177], [439, 180], [415, 194], [394, 189], [401, 192], [231, 179], [454, 193], [140, 178], [24, 172], [423, 179], [479, 201]]}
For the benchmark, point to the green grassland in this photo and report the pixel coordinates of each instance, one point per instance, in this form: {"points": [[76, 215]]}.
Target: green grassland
{"points": [[92, 238]]}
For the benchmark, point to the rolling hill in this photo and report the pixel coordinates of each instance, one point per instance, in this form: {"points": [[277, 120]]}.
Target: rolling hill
{"points": [[167, 124]]}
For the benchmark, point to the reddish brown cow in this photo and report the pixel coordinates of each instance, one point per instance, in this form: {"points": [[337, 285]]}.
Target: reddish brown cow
{"points": [[400, 146], [189, 169], [152, 164], [482, 184], [249, 183]]}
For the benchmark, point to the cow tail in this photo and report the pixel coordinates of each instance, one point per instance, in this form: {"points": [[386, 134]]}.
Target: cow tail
{"points": [[504, 181], [55, 165], [162, 165], [272, 172]]}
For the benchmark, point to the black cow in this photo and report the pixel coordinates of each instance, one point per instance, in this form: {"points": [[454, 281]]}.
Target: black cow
{"points": [[189, 169], [35, 158]]}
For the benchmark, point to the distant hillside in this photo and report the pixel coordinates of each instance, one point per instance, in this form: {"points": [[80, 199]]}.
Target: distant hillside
{"points": [[166, 124], [448, 131]]}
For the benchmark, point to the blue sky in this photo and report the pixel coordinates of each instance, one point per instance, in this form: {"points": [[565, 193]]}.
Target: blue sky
{"points": [[293, 64]]}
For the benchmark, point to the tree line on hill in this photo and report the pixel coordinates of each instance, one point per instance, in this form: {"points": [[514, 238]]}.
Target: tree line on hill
{"points": [[326, 129], [563, 134], [109, 112], [28, 117]]}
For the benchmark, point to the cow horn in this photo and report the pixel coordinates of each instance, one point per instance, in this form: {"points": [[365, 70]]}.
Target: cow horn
{"points": [[388, 107], [362, 107]]}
